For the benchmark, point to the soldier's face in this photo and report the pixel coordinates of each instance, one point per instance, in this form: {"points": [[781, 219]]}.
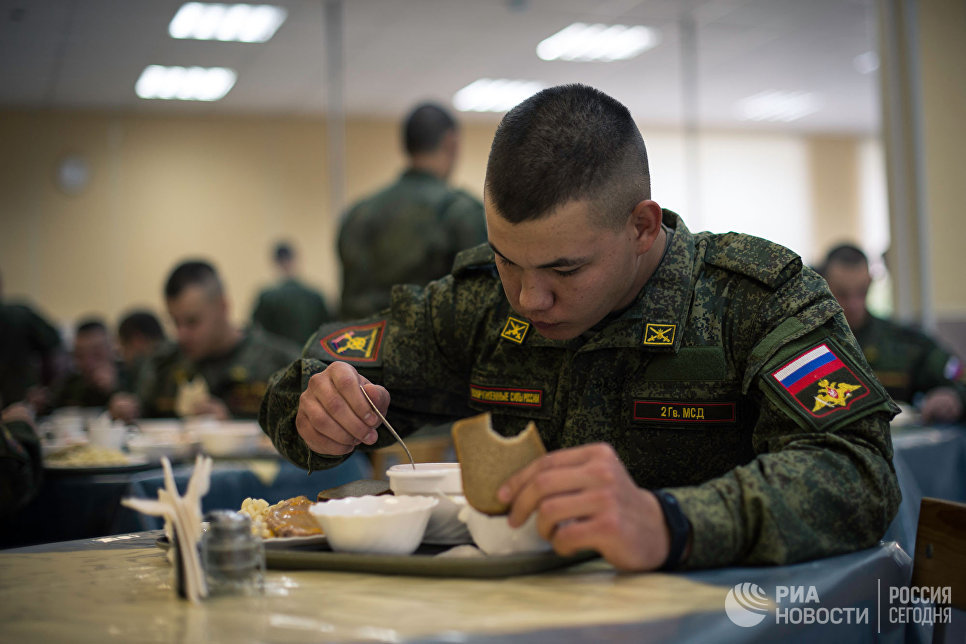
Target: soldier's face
{"points": [[850, 286], [200, 318], [564, 272], [92, 350]]}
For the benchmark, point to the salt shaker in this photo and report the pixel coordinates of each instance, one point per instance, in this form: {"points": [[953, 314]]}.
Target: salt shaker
{"points": [[234, 558]]}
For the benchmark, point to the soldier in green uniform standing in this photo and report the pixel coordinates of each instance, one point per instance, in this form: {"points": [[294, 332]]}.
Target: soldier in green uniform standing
{"points": [[409, 232], [912, 366], [290, 309], [235, 364], [703, 398]]}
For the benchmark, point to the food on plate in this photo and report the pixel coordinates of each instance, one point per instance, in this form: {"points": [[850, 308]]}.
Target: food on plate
{"points": [[86, 456], [488, 459], [288, 518]]}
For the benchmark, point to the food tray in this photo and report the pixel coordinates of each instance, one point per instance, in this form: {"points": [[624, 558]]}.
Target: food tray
{"points": [[423, 562]]}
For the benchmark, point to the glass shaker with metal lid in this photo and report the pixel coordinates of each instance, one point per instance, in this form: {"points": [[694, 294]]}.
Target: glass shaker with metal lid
{"points": [[234, 558]]}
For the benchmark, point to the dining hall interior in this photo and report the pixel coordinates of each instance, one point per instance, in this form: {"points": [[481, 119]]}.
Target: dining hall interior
{"points": [[809, 124]]}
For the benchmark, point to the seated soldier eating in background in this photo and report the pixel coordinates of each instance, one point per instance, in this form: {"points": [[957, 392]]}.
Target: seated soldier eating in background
{"points": [[229, 365]]}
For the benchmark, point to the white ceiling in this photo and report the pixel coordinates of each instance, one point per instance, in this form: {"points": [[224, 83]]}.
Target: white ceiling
{"points": [[88, 54]]}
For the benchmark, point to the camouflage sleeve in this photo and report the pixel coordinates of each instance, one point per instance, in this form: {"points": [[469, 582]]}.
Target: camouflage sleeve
{"points": [[21, 471], [938, 368], [822, 481], [417, 349]]}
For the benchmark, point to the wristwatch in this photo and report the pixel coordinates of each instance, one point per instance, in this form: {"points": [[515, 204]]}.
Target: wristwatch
{"points": [[679, 526]]}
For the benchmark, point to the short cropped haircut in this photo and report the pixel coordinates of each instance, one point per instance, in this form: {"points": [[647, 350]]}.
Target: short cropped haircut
{"points": [[425, 128], [283, 252], [89, 324], [192, 273], [846, 255], [563, 144], [140, 323]]}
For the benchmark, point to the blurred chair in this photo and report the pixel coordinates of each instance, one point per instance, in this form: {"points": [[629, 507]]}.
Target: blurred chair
{"points": [[940, 557]]}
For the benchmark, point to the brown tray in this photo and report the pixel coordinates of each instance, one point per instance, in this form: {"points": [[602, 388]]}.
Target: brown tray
{"points": [[423, 562]]}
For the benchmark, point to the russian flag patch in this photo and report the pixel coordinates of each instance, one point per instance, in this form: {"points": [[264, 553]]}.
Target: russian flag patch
{"points": [[820, 382]]}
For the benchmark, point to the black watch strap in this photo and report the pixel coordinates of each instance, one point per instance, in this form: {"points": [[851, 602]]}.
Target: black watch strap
{"points": [[678, 525]]}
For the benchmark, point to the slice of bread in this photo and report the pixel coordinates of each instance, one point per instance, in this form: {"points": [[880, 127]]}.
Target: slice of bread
{"points": [[488, 459]]}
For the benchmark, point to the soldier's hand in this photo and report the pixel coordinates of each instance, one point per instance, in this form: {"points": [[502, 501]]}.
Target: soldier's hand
{"points": [[941, 405], [585, 500], [124, 407], [213, 407], [334, 416]]}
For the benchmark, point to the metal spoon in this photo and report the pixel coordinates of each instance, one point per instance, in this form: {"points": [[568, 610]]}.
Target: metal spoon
{"points": [[388, 426]]}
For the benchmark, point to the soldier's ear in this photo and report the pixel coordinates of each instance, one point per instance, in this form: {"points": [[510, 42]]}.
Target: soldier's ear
{"points": [[646, 222]]}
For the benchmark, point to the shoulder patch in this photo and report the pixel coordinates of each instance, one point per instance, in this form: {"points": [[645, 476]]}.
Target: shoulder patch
{"points": [[360, 343], [821, 384], [753, 257], [477, 258]]}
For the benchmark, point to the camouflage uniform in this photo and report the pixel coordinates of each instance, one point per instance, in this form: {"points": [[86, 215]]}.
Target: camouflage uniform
{"points": [[77, 391], [732, 380], [408, 233], [906, 361], [238, 379], [291, 310], [24, 336]]}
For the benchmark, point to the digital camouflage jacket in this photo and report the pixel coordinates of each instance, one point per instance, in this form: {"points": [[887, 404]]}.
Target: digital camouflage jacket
{"points": [[732, 381]]}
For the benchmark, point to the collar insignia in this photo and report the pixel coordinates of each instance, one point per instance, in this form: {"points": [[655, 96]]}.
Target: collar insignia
{"points": [[515, 329], [659, 335]]}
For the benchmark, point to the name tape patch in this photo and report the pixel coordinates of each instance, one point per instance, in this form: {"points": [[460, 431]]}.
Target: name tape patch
{"points": [[684, 412], [820, 382], [356, 343], [507, 396]]}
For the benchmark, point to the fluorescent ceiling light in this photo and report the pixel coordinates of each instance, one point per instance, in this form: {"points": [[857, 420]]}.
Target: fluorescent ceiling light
{"points": [[227, 22], [185, 83], [581, 42], [494, 94], [777, 105]]}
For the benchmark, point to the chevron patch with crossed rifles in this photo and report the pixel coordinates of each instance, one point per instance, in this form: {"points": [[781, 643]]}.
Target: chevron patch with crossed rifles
{"points": [[659, 335], [515, 329]]}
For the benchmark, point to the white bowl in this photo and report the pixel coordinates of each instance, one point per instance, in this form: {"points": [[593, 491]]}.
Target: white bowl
{"points": [[160, 426], [494, 536], [435, 479], [154, 446], [374, 524], [229, 438]]}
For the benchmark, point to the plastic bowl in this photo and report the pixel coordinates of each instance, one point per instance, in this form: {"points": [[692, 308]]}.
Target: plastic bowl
{"points": [[494, 536], [374, 524], [432, 479], [228, 438]]}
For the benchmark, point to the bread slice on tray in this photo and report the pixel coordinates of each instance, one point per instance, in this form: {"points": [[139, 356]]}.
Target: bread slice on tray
{"points": [[487, 459]]}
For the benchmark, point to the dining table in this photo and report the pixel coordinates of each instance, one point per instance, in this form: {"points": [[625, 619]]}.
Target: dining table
{"points": [[121, 588], [78, 503]]}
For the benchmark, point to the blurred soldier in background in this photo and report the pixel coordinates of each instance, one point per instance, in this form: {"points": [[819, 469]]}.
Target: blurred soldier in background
{"points": [[95, 376], [290, 309], [912, 366], [409, 232]]}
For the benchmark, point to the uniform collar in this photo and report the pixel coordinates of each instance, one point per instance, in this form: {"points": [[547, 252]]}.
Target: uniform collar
{"points": [[655, 319]]}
